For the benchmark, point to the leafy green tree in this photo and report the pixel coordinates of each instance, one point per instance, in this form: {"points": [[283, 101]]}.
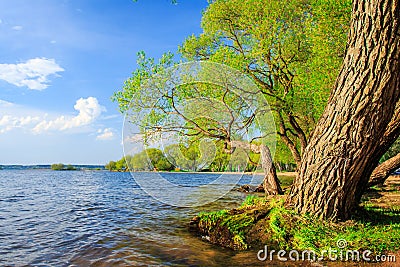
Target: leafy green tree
{"points": [[111, 166], [198, 111], [120, 165], [70, 168], [289, 50], [57, 166], [140, 162], [221, 159], [283, 158], [62, 167], [164, 165], [273, 43], [292, 50], [148, 160]]}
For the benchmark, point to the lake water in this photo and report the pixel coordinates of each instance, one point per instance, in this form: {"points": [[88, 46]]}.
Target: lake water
{"points": [[99, 218]]}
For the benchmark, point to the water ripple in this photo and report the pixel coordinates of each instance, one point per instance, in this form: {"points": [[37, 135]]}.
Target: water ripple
{"points": [[99, 218]]}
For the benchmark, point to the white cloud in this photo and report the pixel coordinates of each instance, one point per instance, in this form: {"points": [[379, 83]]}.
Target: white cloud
{"points": [[106, 134], [89, 110], [9, 122], [36, 121], [32, 74], [4, 103], [17, 28], [15, 116]]}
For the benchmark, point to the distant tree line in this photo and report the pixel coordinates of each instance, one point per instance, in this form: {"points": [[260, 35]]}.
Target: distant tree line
{"points": [[188, 157]]}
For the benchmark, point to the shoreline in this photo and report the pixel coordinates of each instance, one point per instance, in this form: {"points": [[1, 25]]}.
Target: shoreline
{"points": [[237, 173]]}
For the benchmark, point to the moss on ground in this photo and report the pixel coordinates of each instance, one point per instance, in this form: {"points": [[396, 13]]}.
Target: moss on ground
{"points": [[260, 221]]}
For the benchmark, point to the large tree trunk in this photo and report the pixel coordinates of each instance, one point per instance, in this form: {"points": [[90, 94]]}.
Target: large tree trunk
{"points": [[271, 182], [345, 145], [383, 171]]}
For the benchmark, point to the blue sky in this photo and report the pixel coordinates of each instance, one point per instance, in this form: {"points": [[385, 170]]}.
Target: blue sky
{"points": [[60, 62]]}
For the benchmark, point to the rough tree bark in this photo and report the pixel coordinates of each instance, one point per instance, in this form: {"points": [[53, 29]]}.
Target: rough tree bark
{"points": [[345, 145], [271, 182]]}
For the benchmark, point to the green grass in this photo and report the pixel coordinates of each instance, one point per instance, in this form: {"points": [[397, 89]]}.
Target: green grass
{"points": [[211, 218], [236, 224], [374, 229], [382, 234], [285, 180], [253, 200]]}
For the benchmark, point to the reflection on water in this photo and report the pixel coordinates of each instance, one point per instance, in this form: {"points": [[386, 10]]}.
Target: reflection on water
{"points": [[78, 218]]}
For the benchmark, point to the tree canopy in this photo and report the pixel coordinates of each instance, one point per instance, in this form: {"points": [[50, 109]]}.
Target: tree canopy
{"points": [[292, 52]]}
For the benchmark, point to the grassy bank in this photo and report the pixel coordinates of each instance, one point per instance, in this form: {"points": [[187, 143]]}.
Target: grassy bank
{"points": [[263, 221]]}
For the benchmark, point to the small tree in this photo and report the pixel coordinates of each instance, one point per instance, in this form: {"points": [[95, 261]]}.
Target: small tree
{"points": [[111, 166], [57, 167], [148, 160], [70, 168], [120, 165]]}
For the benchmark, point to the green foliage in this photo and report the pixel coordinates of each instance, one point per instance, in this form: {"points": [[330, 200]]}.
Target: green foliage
{"points": [[221, 159], [132, 94], [62, 167], [121, 164], [393, 151], [111, 166], [140, 162], [293, 51], [282, 154], [185, 157], [158, 160], [147, 160], [276, 221], [70, 168], [57, 166]]}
